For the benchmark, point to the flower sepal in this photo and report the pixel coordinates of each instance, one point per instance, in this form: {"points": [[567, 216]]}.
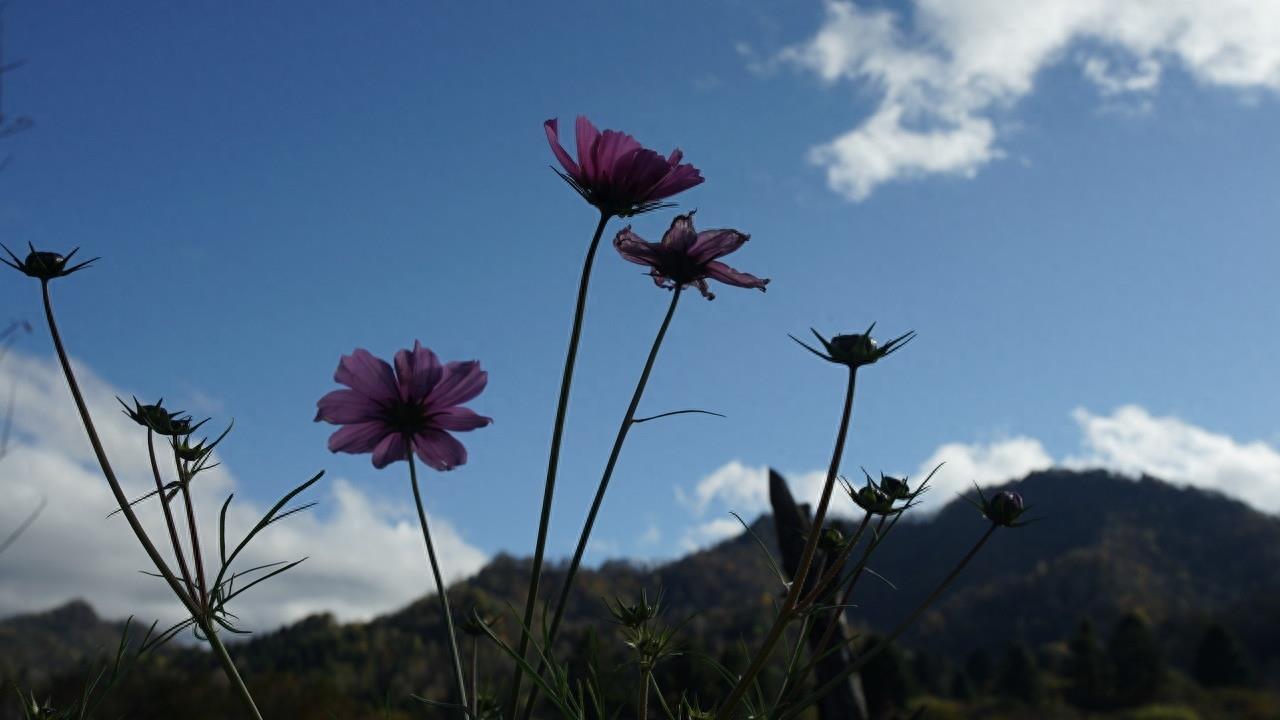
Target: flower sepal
{"points": [[45, 265], [857, 349]]}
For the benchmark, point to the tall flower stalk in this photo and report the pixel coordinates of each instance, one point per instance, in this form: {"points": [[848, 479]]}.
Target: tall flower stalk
{"points": [[47, 266], [618, 177], [454, 657], [683, 257], [398, 413], [852, 351]]}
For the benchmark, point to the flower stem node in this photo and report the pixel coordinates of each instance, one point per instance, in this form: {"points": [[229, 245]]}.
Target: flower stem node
{"points": [[857, 349], [44, 265]]}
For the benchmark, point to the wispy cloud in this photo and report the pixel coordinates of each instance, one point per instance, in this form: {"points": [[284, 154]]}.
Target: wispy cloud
{"points": [[364, 557], [945, 70], [1129, 441]]}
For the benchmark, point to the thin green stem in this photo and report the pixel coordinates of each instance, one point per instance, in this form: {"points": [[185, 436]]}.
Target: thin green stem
{"points": [[553, 461], [614, 453], [127, 510], [475, 676], [454, 656], [184, 482], [642, 707], [229, 667], [788, 611], [168, 515], [879, 647]]}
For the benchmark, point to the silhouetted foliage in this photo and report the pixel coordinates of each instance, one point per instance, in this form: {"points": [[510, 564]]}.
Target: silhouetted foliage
{"points": [[1138, 661], [1221, 661]]}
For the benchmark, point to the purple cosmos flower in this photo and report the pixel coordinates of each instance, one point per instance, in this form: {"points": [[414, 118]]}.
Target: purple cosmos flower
{"points": [[686, 257], [615, 173], [420, 401]]}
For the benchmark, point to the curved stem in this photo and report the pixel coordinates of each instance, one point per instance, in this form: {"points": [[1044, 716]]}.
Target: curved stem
{"points": [[802, 569], [108, 473], [614, 453], [454, 656], [122, 500], [879, 647], [168, 515], [553, 461]]}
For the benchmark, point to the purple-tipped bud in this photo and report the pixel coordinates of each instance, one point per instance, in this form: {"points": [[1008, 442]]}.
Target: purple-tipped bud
{"points": [[1004, 508]]}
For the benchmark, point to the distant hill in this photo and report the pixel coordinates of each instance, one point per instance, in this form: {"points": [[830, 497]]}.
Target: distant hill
{"points": [[1104, 545]]}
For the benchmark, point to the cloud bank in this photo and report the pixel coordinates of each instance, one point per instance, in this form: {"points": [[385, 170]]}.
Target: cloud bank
{"points": [[1130, 441], [945, 70], [364, 557]]}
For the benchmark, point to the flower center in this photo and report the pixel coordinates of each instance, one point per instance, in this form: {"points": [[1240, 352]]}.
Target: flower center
{"points": [[407, 417]]}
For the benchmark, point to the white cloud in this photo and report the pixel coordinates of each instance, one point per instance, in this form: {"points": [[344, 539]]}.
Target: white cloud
{"points": [[1129, 441], [982, 463], [1132, 441], [944, 77], [364, 558]]}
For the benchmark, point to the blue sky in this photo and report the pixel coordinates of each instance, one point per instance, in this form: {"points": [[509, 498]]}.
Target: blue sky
{"points": [[1090, 225]]}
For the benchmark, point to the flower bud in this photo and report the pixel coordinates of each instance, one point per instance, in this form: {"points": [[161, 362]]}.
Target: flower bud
{"points": [[895, 488], [856, 350], [831, 540], [634, 616], [1004, 508], [44, 265]]}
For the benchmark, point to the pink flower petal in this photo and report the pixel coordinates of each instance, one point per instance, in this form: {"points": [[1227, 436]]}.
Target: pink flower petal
{"points": [[368, 375], [712, 244], [417, 371], [633, 248], [553, 138], [459, 419], [587, 136], [343, 407], [439, 449], [727, 275], [391, 449], [358, 437], [461, 382], [680, 235]]}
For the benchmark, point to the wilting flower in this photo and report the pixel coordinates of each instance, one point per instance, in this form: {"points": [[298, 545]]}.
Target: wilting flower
{"points": [[419, 402], [43, 264], [856, 350], [686, 257], [615, 173]]}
